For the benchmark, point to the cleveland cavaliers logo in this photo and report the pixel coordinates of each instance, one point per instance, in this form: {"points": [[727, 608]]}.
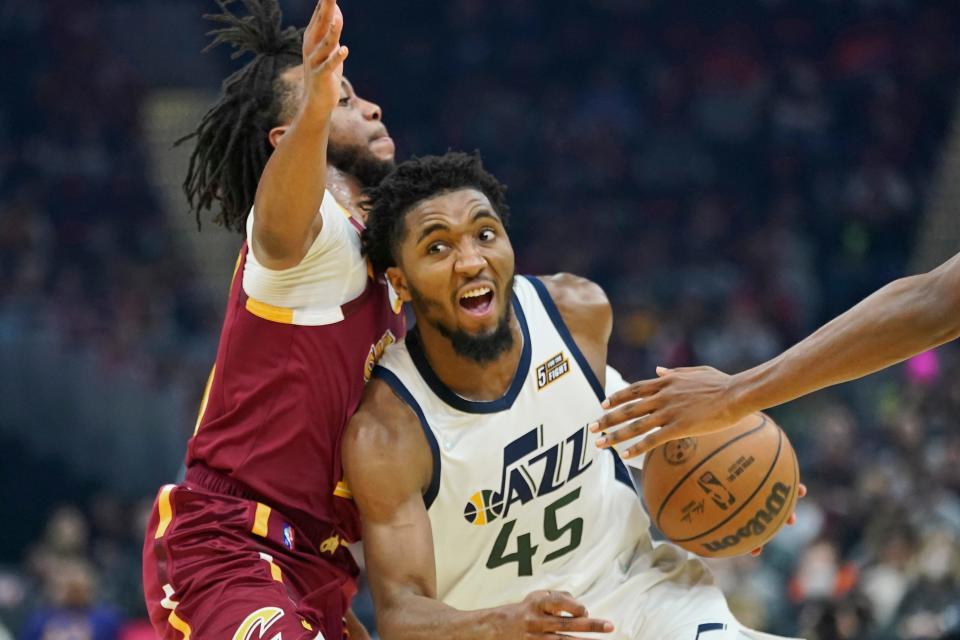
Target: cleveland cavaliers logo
{"points": [[258, 624]]}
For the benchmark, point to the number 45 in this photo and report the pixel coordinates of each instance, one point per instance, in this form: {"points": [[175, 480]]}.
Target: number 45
{"points": [[526, 550]]}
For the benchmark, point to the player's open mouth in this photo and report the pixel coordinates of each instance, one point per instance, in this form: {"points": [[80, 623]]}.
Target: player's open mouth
{"points": [[477, 301]]}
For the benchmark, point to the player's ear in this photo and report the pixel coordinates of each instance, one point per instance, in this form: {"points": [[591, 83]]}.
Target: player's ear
{"points": [[399, 283], [276, 133]]}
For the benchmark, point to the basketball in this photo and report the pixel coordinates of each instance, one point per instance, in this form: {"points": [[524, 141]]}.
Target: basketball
{"points": [[726, 493]]}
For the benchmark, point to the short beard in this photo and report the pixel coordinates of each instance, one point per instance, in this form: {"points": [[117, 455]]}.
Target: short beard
{"points": [[481, 349], [360, 163]]}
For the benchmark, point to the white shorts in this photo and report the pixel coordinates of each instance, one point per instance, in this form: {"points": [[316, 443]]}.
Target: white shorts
{"points": [[665, 594]]}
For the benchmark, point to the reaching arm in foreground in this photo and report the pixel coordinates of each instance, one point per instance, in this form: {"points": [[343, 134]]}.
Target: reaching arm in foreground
{"points": [[904, 318], [388, 465], [293, 183]]}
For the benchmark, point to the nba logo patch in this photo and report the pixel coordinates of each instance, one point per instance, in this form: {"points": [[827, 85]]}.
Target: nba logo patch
{"points": [[288, 536]]}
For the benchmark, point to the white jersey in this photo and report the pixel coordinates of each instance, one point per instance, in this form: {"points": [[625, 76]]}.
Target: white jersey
{"points": [[332, 273], [521, 499]]}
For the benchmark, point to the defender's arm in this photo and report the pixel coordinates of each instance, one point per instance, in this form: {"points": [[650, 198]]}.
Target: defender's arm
{"points": [[906, 317], [293, 183]]}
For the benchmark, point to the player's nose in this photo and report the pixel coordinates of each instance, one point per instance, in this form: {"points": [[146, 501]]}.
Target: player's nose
{"points": [[370, 110], [470, 262]]}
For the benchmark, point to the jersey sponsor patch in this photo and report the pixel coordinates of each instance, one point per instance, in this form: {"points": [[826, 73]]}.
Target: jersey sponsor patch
{"points": [[552, 370], [257, 625]]}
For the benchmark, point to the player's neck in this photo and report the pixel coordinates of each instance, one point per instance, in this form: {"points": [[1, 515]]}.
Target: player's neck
{"points": [[466, 377], [346, 190]]}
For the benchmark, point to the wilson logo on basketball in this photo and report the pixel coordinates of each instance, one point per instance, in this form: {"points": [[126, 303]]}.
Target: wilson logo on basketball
{"points": [[756, 525]]}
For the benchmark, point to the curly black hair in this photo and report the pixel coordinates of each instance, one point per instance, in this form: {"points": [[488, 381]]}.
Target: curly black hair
{"points": [[414, 181], [232, 145]]}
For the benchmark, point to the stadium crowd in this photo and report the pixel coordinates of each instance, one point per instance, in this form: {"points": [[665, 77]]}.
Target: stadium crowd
{"points": [[732, 173]]}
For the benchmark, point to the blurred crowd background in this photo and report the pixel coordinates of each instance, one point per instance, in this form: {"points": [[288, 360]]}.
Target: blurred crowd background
{"points": [[733, 173]]}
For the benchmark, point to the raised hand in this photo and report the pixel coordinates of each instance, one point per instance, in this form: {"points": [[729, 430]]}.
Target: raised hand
{"points": [[690, 401], [550, 615], [323, 57]]}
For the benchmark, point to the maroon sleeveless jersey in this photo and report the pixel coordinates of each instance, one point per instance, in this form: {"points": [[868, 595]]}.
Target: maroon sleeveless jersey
{"points": [[279, 398]]}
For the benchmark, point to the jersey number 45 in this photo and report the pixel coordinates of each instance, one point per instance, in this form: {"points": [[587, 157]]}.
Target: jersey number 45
{"points": [[552, 531]]}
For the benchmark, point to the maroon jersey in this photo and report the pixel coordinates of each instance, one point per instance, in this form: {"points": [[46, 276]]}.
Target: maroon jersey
{"points": [[279, 398]]}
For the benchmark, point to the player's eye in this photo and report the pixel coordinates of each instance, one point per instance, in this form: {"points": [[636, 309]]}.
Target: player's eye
{"points": [[344, 101], [486, 235], [436, 248]]}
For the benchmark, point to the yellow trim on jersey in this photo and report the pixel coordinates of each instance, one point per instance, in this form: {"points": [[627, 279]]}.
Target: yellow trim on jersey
{"points": [[261, 520], [166, 511], [204, 399], [345, 211], [236, 267], [477, 501], [270, 312], [275, 572], [342, 490], [179, 625]]}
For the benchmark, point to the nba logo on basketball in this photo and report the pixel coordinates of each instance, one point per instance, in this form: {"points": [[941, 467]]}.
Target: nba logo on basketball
{"points": [[288, 536]]}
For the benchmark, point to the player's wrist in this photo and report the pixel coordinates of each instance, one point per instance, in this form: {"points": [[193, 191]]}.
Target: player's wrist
{"points": [[738, 396], [499, 622]]}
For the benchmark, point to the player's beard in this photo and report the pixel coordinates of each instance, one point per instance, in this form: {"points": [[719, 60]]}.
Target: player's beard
{"points": [[359, 162], [481, 348]]}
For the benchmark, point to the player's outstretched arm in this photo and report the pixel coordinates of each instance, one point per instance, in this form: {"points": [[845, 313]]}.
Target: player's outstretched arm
{"points": [[388, 465], [293, 183], [904, 318]]}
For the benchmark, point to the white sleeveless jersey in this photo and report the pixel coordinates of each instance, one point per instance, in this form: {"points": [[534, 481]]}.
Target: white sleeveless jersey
{"points": [[521, 499], [332, 273]]}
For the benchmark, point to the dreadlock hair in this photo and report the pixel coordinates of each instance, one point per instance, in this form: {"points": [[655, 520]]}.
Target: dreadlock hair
{"points": [[414, 181], [232, 144]]}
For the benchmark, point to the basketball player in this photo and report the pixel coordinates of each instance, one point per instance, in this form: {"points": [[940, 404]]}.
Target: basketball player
{"points": [[487, 512], [904, 318], [252, 543]]}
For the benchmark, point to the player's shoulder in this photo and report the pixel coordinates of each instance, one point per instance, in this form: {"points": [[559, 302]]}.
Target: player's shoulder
{"points": [[582, 303], [381, 416], [571, 288], [382, 431]]}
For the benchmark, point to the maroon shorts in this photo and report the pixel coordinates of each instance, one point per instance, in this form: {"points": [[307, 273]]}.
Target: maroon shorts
{"points": [[218, 566]]}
